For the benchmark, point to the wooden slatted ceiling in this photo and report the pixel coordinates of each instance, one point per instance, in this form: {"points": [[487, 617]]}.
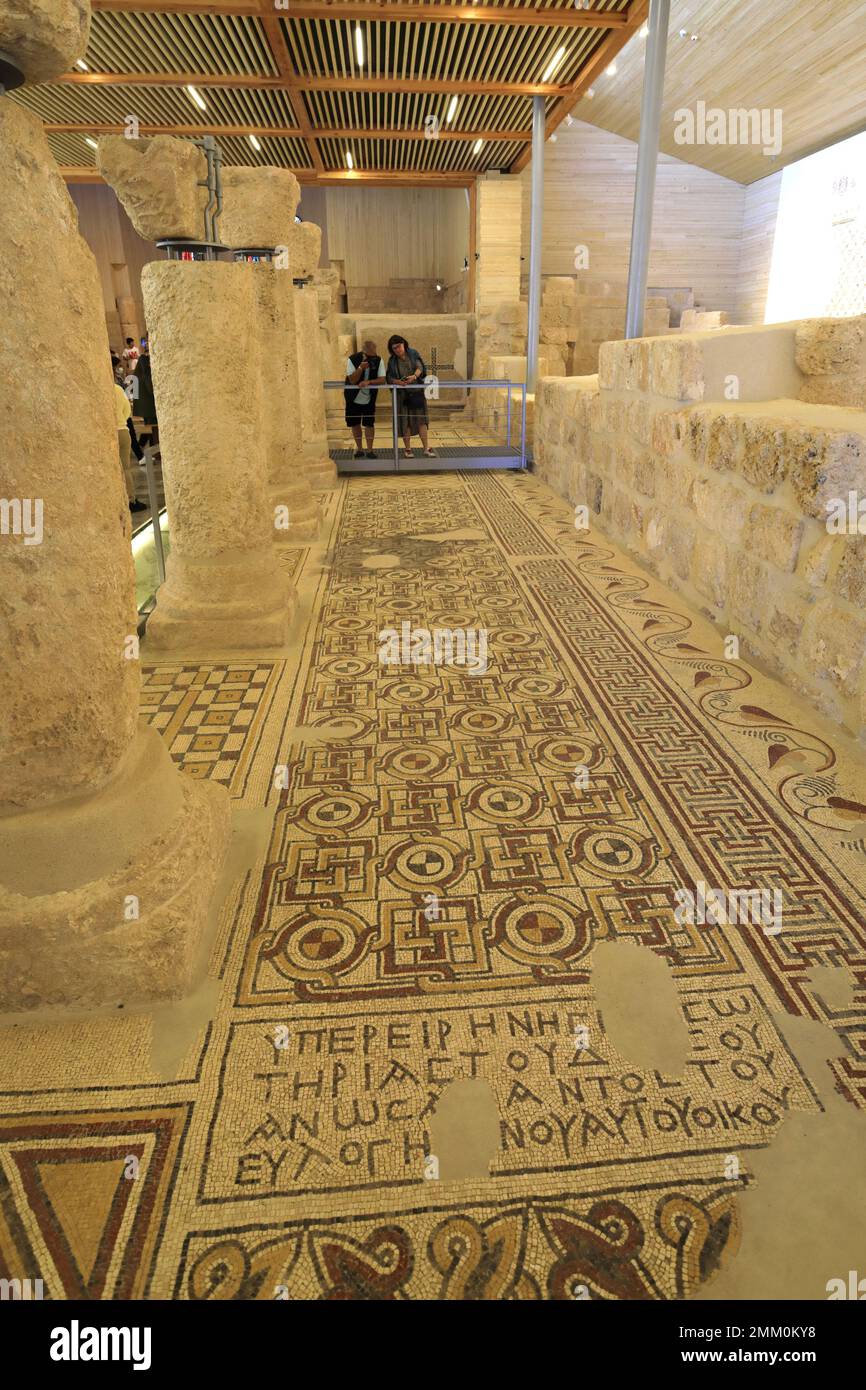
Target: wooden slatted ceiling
{"points": [[130, 42], [90, 106], [456, 52], [263, 71]]}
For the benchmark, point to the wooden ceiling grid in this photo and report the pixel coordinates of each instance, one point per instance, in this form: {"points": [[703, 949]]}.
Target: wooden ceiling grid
{"points": [[290, 76], [287, 72]]}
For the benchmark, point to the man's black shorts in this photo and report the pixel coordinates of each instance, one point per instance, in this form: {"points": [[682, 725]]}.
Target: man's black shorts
{"points": [[361, 415]]}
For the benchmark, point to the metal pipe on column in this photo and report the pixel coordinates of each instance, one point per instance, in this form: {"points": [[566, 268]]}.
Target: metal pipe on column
{"points": [[535, 221], [647, 160]]}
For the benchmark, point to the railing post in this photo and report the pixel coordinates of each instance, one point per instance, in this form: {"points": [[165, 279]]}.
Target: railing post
{"points": [[394, 425], [647, 161], [154, 515]]}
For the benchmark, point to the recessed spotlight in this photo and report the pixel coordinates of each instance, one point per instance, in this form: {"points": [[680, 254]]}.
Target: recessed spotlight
{"points": [[439, 285], [350, 163], [590, 92], [91, 142], [693, 37], [569, 120], [644, 31], [196, 98], [82, 65], [610, 70], [553, 64], [359, 45], [476, 148], [553, 139], [255, 143], [683, 33], [452, 107]]}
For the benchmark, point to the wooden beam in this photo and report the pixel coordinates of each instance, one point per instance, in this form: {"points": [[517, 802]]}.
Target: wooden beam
{"points": [[178, 6], [315, 84], [369, 178], [277, 131], [423, 12], [386, 178], [604, 54], [285, 67]]}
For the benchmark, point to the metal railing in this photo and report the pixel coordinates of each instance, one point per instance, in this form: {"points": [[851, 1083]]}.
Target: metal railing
{"points": [[483, 455]]}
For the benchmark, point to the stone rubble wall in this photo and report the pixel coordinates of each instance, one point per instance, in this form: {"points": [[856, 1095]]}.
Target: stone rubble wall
{"points": [[578, 314], [726, 500]]}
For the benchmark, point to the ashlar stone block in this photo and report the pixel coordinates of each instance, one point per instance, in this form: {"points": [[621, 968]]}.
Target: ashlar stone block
{"points": [[259, 205]]}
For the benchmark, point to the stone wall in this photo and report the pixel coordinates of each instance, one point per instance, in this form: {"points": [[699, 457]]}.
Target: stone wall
{"points": [[399, 296], [729, 501], [578, 314]]}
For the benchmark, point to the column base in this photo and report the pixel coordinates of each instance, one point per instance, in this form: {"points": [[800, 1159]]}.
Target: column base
{"points": [[104, 900], [320, 468], [229, 606], [303, 510]]}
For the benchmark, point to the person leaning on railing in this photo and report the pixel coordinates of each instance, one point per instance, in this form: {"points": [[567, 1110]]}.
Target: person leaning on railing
{"points": [[405, 365]]}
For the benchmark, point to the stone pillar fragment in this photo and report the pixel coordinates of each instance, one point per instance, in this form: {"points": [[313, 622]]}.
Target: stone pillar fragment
{"points": [[304, 250], [259, 204], [108, 857], [224, 587], [321, 469], [289, 483]]}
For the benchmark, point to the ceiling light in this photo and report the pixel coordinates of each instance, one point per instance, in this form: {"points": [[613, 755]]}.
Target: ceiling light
{"points": [[255, 143], [359, 45], [476, 148], [553, 139], [644, 31], [683, 33], [196, 98], [590, 92], [350, 163], [569, 120], [553, 64], [610, 70], [693, 37], [90, 141], [439, 285], [82, 65], [452, 107]]}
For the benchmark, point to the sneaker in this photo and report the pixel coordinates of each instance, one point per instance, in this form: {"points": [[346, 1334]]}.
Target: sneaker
{"points": [[358, 454], [370, 454]]}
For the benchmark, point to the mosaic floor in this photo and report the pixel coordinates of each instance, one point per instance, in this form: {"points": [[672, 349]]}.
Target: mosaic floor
{"points": [[417, 969]]}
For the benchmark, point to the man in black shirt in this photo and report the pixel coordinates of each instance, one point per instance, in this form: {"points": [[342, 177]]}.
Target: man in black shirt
{"points": [[365, 371]]}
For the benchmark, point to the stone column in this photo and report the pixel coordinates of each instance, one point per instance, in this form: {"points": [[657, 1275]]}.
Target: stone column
{"points": [[258, 207], [327, 286], [224, 588], [108, 857], [304, 250]]}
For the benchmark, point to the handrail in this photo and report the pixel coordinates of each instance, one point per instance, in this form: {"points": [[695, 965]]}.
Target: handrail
{"points": [[417, 385], [504, 383]]}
